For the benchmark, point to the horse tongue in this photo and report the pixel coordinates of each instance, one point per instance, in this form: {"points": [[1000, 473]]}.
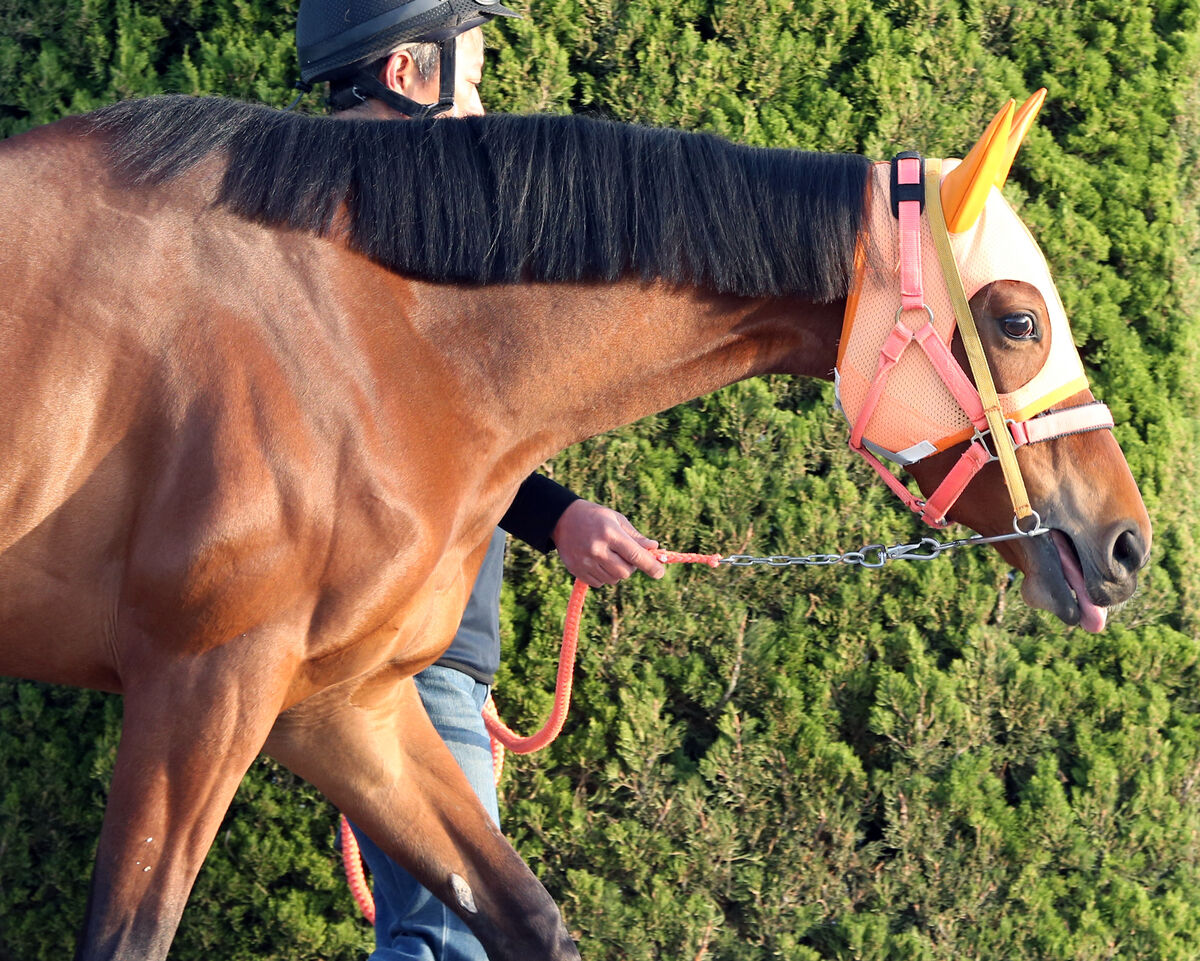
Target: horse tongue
{"points": [[1092, 617]]}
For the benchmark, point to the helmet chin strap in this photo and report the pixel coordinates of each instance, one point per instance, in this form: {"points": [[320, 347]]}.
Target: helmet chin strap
{"points": [[367, 85]]}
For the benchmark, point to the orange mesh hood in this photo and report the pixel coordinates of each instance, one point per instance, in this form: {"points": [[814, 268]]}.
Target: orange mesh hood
{"points": [[917, 415]]}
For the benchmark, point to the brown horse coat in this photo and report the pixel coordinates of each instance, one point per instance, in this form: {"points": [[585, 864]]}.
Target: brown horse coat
{"points": [[251, 469]]}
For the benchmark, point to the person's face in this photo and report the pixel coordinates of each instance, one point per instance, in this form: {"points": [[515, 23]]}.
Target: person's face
{"points": [[402, 76]]}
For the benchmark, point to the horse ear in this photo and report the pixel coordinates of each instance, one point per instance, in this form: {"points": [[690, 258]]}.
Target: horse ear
{"points": [[965, 189]]}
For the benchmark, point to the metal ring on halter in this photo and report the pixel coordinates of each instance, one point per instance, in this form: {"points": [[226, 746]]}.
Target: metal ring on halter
{"points": [[900, 311], [1037, 528], [982, 434], [981, 438]]}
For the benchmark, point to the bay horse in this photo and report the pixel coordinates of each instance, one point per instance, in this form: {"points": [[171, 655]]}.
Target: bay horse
{"points": [[271, 381]]}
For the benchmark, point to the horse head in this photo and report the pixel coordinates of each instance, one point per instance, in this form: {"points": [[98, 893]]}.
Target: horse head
{"points": [[957, 354]]}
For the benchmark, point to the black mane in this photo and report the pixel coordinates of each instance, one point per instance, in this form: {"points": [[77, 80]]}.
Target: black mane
{"points": [[508, 198]]}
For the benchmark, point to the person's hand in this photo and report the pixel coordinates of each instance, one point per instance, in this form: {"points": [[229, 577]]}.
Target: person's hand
{"points": [[600, 546]]}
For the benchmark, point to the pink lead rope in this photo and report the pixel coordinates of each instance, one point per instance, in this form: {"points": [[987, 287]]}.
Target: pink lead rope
{"points": [[502, 736]]}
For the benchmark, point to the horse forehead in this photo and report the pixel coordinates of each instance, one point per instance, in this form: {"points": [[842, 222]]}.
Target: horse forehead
{"points": [[1000, 247]]}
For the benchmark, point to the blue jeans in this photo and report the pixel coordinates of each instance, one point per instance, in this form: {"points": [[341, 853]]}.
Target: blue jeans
{"points": [[410, 923]]}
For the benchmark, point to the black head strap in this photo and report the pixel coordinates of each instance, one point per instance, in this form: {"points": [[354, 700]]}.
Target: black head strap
{"points": [[902, 192]]}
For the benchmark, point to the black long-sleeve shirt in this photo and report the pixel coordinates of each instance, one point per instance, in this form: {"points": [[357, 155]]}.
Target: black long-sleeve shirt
{"points": [[535, 510]]}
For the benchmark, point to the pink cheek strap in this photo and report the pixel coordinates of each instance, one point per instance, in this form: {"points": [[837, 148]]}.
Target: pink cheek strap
{"points": [[1048, 426]]}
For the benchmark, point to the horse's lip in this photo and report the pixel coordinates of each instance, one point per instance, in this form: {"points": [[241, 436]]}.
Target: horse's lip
{"points": [[1072, 592]]}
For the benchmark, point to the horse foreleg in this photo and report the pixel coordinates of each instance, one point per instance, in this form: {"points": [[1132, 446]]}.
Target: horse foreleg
{"points": [[188, 736], [374, 753]]}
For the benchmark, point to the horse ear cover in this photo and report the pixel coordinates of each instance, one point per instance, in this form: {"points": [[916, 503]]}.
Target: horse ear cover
{"points": [[989, 243], [965, 189]]}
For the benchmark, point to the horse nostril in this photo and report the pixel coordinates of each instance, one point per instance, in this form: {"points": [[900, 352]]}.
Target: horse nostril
{"points": [[1128, 552]]}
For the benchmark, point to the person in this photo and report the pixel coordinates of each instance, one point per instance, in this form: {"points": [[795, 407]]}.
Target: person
{"points": [[396, 59]]}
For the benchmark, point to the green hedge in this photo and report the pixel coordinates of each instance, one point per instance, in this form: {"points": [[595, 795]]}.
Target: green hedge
{"points": [[797, 764]]}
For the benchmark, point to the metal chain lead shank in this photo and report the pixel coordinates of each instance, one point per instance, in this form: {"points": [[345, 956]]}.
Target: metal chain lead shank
{"points": [[874, 556]]}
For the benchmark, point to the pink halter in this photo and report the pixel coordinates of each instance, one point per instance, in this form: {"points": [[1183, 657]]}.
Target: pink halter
{"points": [[904, 405]]}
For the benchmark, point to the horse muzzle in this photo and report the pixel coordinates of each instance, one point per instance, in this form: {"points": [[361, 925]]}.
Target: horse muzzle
{"points": [[1080, 577]]}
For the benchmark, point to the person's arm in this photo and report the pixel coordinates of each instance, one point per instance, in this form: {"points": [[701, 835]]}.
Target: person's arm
{"points": [[531, 517], [597, 544]]}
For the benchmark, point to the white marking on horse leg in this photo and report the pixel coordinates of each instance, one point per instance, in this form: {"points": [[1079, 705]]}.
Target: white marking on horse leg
{"points": [[462, 891]]}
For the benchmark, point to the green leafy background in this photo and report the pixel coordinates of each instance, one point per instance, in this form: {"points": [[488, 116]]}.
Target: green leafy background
{"points": [[905, 764]]}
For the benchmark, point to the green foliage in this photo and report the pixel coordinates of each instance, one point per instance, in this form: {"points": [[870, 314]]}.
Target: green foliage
{"points": [[270, 886], [797, 764], [68, 56], [57, 747]]}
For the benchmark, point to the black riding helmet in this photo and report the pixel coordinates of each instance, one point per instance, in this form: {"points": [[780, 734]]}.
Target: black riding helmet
{"points": [[338, 40]]}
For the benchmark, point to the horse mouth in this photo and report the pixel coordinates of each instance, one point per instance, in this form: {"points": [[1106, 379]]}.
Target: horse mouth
{"points": [[1080, 609]]}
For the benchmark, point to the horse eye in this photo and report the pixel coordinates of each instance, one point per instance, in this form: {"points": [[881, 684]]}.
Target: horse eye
{"points": [[1019, 326]]}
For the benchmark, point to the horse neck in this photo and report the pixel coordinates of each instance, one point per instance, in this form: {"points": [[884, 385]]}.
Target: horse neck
{"points": [[550, 365]]}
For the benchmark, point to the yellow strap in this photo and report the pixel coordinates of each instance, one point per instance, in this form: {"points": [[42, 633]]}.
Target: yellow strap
{"points": [[1001, 439]]}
